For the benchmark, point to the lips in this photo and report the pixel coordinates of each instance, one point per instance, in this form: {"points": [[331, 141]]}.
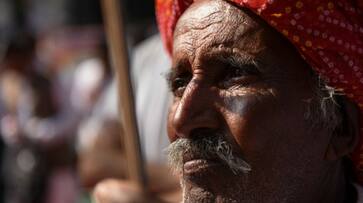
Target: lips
{"points": [[199, 166]]}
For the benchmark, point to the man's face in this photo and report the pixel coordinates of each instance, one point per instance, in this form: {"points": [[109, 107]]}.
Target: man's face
{"points": [[235, 77]]}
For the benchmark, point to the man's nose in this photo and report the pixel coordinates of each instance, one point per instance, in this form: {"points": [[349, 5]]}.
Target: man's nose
{"points": [[195, 110]]}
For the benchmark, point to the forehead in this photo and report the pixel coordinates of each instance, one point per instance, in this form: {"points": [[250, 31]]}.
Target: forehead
{"points": [[207, 24]]}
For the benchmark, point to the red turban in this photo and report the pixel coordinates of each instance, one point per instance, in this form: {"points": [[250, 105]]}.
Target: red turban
{"points": [[328, 35]]}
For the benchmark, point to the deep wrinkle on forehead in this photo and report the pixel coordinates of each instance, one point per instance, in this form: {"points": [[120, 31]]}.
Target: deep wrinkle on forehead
{"points": [[211, 30]]}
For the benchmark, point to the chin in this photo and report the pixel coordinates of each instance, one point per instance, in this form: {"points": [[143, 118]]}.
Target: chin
{"points": [[202, 195], [210, 183]]}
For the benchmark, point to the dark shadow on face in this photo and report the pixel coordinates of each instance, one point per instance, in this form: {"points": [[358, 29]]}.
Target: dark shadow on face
{"points": [[234, 74]]}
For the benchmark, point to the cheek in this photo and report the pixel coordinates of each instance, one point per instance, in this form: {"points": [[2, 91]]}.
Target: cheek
{"points": [[248, 120], [264, 122], [271, 130]]}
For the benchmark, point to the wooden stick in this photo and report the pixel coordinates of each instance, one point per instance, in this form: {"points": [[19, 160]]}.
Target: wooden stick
{"points": [[118, 49]]}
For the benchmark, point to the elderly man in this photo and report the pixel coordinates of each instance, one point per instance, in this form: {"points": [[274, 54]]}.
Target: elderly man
{"points": [[267, 97]]}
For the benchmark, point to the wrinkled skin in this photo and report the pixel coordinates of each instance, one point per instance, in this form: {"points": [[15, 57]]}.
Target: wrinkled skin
{"points": [[259, 109]]}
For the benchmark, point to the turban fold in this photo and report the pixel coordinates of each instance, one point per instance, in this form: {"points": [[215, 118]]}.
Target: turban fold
{"points": [[328, 35]]}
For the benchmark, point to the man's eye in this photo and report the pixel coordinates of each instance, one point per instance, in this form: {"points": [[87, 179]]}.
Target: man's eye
{"points": [[239, 75], [179, 84]]}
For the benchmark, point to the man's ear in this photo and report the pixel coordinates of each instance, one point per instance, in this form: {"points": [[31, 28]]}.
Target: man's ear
{"points": [[345, 136]]}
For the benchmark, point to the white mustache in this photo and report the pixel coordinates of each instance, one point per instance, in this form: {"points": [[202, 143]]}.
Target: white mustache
{"points": [[206, 147]]}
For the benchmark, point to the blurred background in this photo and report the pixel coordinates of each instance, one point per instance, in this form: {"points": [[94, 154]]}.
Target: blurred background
{"points": [[59, 126]]}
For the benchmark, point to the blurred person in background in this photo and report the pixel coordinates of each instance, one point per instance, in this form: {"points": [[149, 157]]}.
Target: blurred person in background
{"points": [[99, 158], [79, 85], [24, 93], [98, 162]]}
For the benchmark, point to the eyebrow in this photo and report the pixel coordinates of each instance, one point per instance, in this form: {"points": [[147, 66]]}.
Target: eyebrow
{"points": [[233, 59], [239, 60]]}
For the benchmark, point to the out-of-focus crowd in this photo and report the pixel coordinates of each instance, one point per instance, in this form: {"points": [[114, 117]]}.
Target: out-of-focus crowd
{"points": [[59, 128]]}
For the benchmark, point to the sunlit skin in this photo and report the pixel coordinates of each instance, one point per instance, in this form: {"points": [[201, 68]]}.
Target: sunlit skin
{"points": [[234, 74]]}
